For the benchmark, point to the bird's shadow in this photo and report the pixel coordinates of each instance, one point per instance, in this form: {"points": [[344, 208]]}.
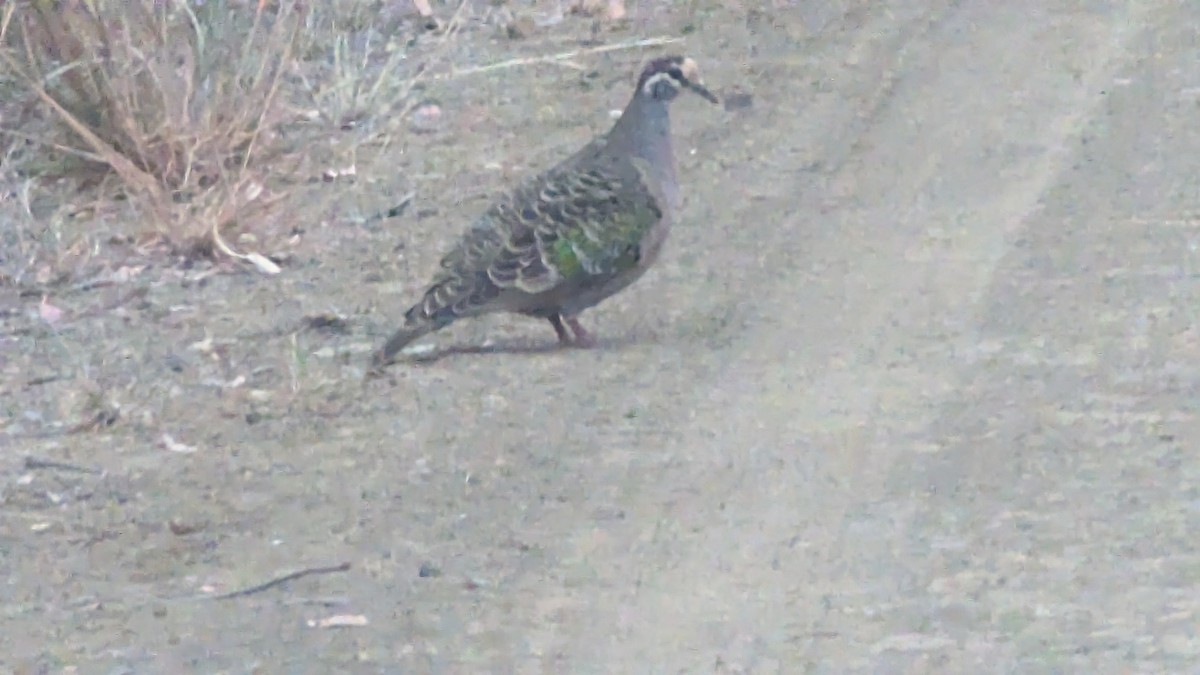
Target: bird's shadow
{"points": [[514, 348]]}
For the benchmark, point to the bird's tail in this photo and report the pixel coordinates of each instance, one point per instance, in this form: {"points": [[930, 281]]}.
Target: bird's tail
{"points": [[417, 323]]}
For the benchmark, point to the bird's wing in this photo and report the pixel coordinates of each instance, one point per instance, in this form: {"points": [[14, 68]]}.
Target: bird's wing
{"points": [[578, 226], [573, 226]]}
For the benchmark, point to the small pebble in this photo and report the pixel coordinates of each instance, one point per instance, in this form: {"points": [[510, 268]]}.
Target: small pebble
{"points": [[182, 528], [520, 28], [738, 101], [425, 118], [428, 571]]}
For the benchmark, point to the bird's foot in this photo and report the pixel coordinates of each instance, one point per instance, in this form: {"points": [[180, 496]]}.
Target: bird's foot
{"points": [[583, 339], [564, 338]]}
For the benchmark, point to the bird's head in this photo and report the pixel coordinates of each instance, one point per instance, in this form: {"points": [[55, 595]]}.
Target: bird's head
{"points": [[663, 78]]}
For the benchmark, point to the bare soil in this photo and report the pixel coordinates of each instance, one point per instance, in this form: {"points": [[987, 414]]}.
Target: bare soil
{"points": [[913, 389]]}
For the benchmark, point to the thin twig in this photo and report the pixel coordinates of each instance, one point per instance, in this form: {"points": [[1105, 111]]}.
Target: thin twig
{"points": [[105, 417], [395, 211], [266, 585], [33, 463], [564, 56], [133, 176], [42, 379], [6, 20], [332, 601], [132, 294], [443, 43], [31, 138]]}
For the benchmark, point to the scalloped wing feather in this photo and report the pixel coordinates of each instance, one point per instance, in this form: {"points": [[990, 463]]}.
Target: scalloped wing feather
{"points": [[588, 222], [569, 228]]}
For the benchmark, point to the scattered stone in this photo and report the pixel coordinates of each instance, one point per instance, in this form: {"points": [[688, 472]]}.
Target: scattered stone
{"points": [[327, 323], [425, 118], [738, 100], [612, 10], [521, 27], [182, 528]]}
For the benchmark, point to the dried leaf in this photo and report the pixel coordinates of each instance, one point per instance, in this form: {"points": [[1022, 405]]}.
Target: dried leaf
{"points": [[263, 263], [260, 261], [340, 621], [204, 346], [49, 313], [173, 445], [423, 8]]}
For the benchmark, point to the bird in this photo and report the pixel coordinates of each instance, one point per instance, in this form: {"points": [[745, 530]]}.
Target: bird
{"points": [[573, 235]]}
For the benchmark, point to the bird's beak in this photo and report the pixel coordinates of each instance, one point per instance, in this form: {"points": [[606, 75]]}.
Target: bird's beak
{"points": [[691, 72], [705, 93]]}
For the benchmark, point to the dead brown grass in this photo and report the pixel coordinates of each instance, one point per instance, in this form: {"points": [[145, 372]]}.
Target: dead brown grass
{"points": [[203, 122], [185, 112], [172, 97]]}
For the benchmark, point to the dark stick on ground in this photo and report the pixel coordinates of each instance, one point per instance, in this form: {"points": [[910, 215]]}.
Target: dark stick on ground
{"points": [[34, 463], [266, 585]]}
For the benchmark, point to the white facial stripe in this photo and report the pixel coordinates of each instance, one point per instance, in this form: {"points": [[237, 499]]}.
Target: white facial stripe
{"points": [[658, 77]]}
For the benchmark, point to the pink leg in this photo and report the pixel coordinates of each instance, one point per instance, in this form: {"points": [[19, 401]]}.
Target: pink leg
{"points": [[582, 337]]}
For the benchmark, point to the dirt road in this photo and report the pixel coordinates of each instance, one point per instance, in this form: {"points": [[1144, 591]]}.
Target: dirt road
{"points": [[914, 390]]}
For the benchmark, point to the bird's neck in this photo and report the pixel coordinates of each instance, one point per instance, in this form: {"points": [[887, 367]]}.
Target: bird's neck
{"points": [[643, 130]]}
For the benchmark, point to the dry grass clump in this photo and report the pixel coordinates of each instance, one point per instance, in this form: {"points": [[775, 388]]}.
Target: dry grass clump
{"points": [[174, 97], [199, 120]]}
